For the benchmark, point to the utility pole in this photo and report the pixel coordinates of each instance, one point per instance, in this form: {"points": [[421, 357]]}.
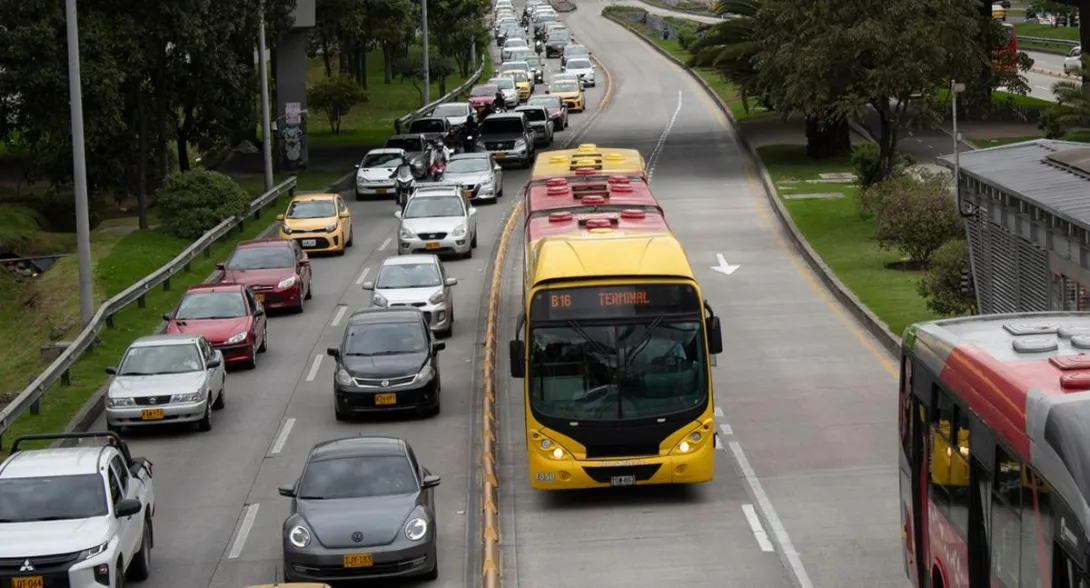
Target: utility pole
{"points": [[79, 168], [427, 66], [266, 124]]}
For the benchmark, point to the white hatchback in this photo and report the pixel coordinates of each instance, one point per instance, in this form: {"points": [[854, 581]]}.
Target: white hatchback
{"points": [[1073, 61], [437, 221], [583, 68]]}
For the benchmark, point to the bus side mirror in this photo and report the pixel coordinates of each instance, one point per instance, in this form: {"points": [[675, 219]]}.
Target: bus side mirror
{"points": [[517, 351], [715, 336]]}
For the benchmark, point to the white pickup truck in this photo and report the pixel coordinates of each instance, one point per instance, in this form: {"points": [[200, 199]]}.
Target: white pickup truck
{"points": [[75, 516]]}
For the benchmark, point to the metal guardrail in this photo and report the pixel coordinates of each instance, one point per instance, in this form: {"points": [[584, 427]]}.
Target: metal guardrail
{"points": [[1049, 41], [29, 398], [404, 121]]}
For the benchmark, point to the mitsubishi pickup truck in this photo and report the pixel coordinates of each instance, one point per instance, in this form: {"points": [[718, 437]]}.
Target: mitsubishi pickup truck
{"points": [[78, 516]]}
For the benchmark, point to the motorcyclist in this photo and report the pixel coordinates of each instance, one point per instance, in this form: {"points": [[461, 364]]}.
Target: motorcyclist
{"points": [[470, 134], [499, 103]]}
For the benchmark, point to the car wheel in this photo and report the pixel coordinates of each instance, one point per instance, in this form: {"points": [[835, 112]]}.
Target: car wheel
{"points": [[349, 243], [119, 581], [309, 289], [339, 414], [469, 253], [205, 424], [473, 243], [221, 400], [264, 341], [251, 362], [140, 567]]}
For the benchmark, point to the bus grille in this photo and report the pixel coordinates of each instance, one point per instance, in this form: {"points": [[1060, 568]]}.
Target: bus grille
{"points": [[597, 451], [642, 473]]}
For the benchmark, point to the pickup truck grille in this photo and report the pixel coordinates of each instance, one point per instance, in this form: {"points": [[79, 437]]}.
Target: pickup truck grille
{"points": [[53, 569]]}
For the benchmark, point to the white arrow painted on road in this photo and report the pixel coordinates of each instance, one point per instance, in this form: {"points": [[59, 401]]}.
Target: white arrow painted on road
{"points": [[724, 268]]}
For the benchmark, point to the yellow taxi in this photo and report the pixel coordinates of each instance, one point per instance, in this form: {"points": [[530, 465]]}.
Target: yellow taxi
{"points": [[321, 223], [998, 12], [522, 82], [570, 93]]}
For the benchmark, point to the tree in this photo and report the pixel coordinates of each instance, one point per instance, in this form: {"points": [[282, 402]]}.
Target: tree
{"points": [[731, 47], [335, 97], [944, 286], [915, 214], [1072, 107]]}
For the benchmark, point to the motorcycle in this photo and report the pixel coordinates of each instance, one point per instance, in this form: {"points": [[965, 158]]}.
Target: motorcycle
{"points": [[404, 184], [438, 163], [469, 143], [539, 47]]}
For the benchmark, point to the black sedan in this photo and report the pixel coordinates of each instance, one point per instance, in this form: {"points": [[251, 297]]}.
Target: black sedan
{"points": [[362, 509]]}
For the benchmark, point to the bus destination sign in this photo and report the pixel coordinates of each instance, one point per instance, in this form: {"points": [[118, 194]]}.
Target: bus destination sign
{"points": [[625, 301]]}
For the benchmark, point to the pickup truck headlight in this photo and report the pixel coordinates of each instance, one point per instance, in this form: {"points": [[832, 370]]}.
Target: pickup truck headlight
{"points": [[87, 554], [520, 144]]}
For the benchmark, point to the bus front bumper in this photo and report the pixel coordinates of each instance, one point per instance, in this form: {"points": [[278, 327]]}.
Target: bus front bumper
{"points": [[547, 473]]}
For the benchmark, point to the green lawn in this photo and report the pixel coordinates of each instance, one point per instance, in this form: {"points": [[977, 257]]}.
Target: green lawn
{"points": [[308, 181], [1032, 29], [835, 230]]}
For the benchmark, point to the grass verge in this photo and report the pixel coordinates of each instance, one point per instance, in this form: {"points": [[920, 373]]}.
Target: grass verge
{"points": [[1046, 31], [308, 181], [833, 227]]}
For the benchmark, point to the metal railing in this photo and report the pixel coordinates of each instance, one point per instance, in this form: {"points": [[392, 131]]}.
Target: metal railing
{"points": [[28, 399], [1049, 41], [404, 121]]}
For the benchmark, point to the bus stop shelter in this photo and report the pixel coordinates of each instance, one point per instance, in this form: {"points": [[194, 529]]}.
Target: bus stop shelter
{"points": [[1029, 234]]}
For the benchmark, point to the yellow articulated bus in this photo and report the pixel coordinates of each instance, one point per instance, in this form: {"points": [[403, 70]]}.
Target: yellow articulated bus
{"points": [[588, 156], [615, 353]]}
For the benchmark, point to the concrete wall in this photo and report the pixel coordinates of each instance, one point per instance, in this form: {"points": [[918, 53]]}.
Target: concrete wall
{"points": [[290, 114]]}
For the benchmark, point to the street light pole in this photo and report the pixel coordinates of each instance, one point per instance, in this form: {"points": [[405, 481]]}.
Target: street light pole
{"points": [[427, 67], [79, 168], [266, 131]]}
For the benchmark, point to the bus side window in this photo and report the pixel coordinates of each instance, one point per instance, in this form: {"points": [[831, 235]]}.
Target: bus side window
{"points": [[1036, 519], [942, 426], [959, 474], [906, 405], [1006, 525]]}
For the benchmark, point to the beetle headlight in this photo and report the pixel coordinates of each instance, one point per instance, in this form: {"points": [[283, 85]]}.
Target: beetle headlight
{"points": [[416, 529], [299, 536]]}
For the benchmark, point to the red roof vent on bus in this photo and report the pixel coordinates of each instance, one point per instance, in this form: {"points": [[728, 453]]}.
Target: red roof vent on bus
{"points": [[633, 214], [1075, 381], [1079, 361], [560, 217], [585, 171], [557, 190], [556, 182], [619, 180], [622, 188], [598, 223], [594, 200]]}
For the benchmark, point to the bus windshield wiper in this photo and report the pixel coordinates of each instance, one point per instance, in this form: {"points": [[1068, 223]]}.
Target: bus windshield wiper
{"points": [[641, 343], [593, 344]]}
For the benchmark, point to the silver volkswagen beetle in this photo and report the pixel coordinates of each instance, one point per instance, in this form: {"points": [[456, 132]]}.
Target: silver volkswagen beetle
{"points": [[363, 509]]}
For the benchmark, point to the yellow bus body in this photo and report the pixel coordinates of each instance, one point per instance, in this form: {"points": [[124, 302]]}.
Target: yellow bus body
{"points": [[565, 162], [687, 455]]}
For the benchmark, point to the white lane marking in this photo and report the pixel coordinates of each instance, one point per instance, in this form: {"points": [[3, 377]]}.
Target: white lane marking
{"points": [[718, 412], [363, 276], [718, 442], [651, 161], [726, 430], [755, 525], [282, 438], [248, 516], [339, 315], [314, 367], [384, 245], [779, 533]]}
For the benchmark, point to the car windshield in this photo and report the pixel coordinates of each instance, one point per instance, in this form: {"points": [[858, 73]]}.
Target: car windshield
{"points": [[451, 110], [514, 43], [514, 66], [258, 258], [467, 165], [578, 64], [533, 62], [573, 50], [52, 498], [559, 36], [427, 126], [408, 275], [433, 206], [564, 86], [410, 145], [155, 360], [519, 76], [497, 126], [546, 101], [384, 339], [211, 305], [618, 372], [505, 83], [381, 160], [357, 477], [534, 114], [483, 91], [302, 209]]}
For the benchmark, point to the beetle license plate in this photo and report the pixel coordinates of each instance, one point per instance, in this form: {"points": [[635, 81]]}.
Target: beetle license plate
{"points": [[359, 560], [152, 414], [385, 399], [622, 481], [432, 245], [310, 242], [380, 190], [28, 582]]}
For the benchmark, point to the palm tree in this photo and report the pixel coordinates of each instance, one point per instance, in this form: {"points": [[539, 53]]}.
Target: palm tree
{"points": [[731, 47], [1072, 108]]}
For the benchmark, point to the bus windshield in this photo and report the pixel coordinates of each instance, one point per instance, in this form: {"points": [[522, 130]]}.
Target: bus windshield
{"points": [[586, 371]]}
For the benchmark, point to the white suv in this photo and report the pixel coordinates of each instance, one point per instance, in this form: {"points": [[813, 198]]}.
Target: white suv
{"points": [[75, 516]]}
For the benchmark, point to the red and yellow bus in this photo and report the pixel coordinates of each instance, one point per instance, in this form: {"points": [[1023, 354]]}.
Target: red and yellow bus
{"points": [[591, 157], [995, 451], [1005, 55]]}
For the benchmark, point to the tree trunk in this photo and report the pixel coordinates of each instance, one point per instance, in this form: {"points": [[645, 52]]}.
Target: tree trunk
{"points": [[183, 139], [387, 63], [141, 160], [361, 71], [162, 111], [826, 138], [443, 86], [327, 58]]}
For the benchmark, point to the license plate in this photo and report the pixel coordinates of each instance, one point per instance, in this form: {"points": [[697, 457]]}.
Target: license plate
{"points": [[152, 414], [385, 399], [622, 481], [469, 193], [500, 156], [28, 582], [431, 246], [380, 190], [310, 242], [359, 560], [260, 298]]}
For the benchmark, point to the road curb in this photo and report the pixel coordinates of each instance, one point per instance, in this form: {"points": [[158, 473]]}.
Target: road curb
{"points": [[1053, 73]]}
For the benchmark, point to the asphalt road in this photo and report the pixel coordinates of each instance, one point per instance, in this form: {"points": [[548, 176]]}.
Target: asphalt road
{"points": [[807, 399], [219, 517]]}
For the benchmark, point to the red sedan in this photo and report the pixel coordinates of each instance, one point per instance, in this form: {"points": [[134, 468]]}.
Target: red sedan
{"points": [[228, 315], [278, 271]]}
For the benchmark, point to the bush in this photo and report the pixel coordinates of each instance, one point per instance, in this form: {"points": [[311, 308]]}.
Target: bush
{"points": [[943, 285], [335, 97], [865, 162], [916, 215], [192, 202]]}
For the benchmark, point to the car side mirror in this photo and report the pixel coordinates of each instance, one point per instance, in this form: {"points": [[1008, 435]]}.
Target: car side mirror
{"points": [[357, 166], [368, 286], [166, 316], [304, 262], [397, 214], [214, 363], [438, 346], [430, 481], [288, 491], [221, 266], [126, 507], [472, 211], [517, 350], [497, 168], [333, 352], [111, 370], [345, 214], [715, 336], [452, 281], [259, 312], [279, 217]]}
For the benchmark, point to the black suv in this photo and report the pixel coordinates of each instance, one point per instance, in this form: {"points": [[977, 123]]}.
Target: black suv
{"points": [[509, 137], [387, 361]]}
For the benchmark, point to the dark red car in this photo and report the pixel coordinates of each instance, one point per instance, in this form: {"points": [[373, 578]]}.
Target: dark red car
{"points": [[228, 315], [482, 95], [278, 271]]}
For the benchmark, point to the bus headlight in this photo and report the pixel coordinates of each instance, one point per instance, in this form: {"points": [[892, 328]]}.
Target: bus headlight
{"points": [[694, 440], [552, 449]]}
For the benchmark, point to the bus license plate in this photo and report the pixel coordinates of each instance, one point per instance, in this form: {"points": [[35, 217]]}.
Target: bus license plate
{"points": [[622, 481], [431, 246], [359, 560], [310, 242], [28, 582], [385, 399], [152, 414]]}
